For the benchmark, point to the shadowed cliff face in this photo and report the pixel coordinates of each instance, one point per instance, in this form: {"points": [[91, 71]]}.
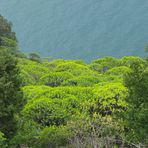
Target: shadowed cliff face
{"points": [[79, 28]]}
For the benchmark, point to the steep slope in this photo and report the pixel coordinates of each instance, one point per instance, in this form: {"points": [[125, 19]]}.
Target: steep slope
{"points": [[79, 28]]}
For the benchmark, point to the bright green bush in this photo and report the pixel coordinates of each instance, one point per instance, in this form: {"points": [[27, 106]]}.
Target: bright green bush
{"points": [[128, 60], [82, 81], [109, 98], [48, 112], [68, 103], [61, 93], [55, 78], [53, 64], [104, 64], [31, 71], [75, 69], [3, 143], [119, 71], [108, 78], [26, 78], [34, 92]]}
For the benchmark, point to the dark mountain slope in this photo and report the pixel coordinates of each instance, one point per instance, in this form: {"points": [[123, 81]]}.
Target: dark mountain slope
{"points": [[79, 28]]}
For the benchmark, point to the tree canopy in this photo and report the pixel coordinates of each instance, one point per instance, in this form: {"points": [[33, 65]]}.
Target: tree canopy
{"points": [[68, 103]]}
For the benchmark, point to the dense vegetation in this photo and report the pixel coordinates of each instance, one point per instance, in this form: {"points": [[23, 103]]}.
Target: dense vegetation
{"points": [[68, 103]]}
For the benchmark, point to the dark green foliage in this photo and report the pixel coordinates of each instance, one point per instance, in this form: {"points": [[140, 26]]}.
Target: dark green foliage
{"points": [[27, 134], [54, 136], [7, 38], [137, 114], [10, 96], [6, 29]]}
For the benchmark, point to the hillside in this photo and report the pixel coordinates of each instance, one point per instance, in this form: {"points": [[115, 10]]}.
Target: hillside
{"points": [[74, 29], [72, 104], [60, 103]]}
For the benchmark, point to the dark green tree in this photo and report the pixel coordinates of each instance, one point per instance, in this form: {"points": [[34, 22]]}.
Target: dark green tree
{"points": [[8, 38], [6, 29], [10, 94], [136, 117]]}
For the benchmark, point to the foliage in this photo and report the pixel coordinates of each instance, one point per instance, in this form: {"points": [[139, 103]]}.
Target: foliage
{"points": [[6, 28], [81, 81], [27, 133], [104, 64], [128, 60], [31, 71], [94, 132], [55, 78], [2, 141], [60, 94], [136, 117], [74, 68], [109, 99], [54, 136], [120, 71], [8, 39], [10, 96], [68, 103], [50, 111]]}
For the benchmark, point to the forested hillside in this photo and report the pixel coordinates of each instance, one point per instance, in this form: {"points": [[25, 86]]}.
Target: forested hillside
{"points": [[79, 29], [67, 103]]}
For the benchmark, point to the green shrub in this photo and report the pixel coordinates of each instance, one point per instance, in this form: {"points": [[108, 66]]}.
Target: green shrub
{"points": [[55, 78], [136, 116], [35, 92], [104, 64], [82, 81], [119, 71], [54, 136], [74, 68], [31, 71], [128, 60], [48, 112], [27, 134], [109, 98], [3, 143]]}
